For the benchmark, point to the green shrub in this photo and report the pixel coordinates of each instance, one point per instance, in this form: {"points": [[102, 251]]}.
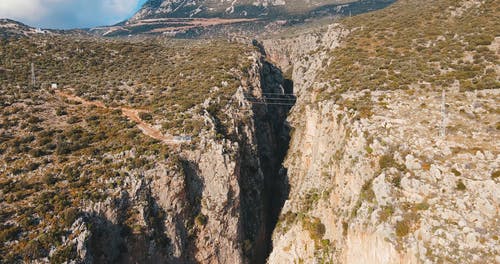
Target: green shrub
{"points": [[310, 199], [456, 172], [69, 216], [369, 150], [73, 120], [61, 111], [286, 220], [34, 250], [201, 219], [145, 116], [345, 228], [315, 228], [49, 179], [32, 166], [367, 193], [402, 228], [36, 153], [422, 206], [34, 120], [386, 212], [8, 232], [460, 185], [386, 161], [64, 254]]}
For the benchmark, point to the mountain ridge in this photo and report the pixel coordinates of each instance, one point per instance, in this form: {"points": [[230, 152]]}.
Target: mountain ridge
{"points": [[229, 9], [189, 18]]}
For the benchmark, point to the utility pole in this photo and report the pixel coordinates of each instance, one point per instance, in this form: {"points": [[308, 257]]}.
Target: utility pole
{"points": [[474, 102], [33, 77], [443, 115]]}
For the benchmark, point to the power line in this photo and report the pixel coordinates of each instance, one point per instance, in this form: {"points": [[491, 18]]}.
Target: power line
{"points": [[265, 103], [443, 115], [275, 94], [280, 98], [277, 99]]}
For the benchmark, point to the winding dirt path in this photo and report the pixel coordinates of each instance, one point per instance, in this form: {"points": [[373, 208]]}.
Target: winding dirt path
{"points": [[130, 113]]}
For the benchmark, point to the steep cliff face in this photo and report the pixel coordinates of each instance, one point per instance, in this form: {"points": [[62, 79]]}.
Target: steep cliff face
{"points": [[180, 162], [388, 188], [217, 204], [378, 175], [302, 56], [376, 142]]}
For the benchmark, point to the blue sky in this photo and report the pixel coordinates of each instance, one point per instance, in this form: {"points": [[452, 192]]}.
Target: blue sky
{"points": [[65, 14]]}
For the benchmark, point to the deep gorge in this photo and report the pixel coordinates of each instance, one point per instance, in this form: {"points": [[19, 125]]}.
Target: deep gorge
{"points": [[273, 137]]}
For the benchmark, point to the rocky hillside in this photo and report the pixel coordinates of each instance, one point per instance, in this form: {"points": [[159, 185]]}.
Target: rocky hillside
{"points": [[231, 9], [394, 156], [10, 28], [197, 17], [372, 140], [145, 152]]}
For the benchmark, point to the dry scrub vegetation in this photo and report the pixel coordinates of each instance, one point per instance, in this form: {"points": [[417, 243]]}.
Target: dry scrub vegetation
{"points": [[419, 46], [57, 157]]}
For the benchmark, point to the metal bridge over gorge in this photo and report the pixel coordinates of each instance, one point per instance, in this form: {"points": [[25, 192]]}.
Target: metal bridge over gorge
{"points": [[273, 99]]}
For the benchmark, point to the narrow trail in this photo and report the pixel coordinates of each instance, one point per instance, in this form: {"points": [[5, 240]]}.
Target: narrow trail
{"points": [[130, 113]]}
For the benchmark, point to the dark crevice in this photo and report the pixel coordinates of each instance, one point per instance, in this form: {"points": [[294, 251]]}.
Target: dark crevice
{"points": [[194, 193], [273, 138]]}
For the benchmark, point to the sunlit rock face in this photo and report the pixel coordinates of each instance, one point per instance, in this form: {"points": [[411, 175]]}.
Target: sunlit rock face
{"points": [[229, 8]]}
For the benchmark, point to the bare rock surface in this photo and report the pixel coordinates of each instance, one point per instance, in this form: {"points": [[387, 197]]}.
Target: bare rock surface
{"points": [[381, 183]]}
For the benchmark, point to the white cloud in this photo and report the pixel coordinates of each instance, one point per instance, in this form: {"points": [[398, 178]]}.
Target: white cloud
{"points": [[17, 9], [68, 13]]}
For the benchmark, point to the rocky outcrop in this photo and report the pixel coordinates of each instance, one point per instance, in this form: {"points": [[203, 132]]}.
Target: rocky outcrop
{"points": [[217, 203], [372, 177], [303, 56], [389, 174]]}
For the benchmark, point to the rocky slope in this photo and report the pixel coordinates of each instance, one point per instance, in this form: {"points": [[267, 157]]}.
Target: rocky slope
{"points": [[385, 167], [220, 18], [232, 9], [214, 204], [390, 153], [81, 182], [9, 28]]}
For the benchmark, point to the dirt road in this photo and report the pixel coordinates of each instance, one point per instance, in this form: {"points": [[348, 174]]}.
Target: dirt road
{"points": [[130, 113]]}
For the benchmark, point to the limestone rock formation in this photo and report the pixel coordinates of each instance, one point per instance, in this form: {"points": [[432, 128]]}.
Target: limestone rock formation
{"points": [[213, 207], [209, 18], [372, 140], [373, 178], [226, 8]]}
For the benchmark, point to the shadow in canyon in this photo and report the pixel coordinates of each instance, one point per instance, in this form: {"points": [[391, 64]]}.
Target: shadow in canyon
{"points": [[273, 138]]}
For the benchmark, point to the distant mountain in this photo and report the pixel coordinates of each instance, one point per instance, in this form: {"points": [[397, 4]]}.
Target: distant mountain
{"points": [[195, 17], [230, 8], [10, 27]]}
